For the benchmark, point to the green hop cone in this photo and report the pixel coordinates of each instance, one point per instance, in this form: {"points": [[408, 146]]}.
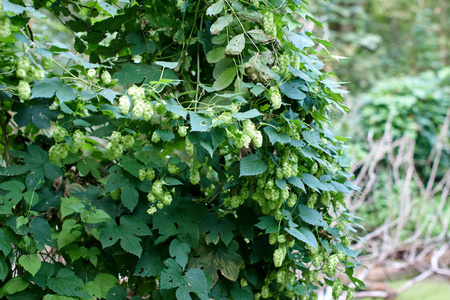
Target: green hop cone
{"points": [[106, 77], [90, 74]]}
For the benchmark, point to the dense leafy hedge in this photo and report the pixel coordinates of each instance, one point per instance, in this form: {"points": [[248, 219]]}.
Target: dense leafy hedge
{"points": [[180, 151]]}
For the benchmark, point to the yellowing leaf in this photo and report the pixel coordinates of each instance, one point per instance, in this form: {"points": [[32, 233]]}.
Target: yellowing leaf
{"points": [[220, 24]]}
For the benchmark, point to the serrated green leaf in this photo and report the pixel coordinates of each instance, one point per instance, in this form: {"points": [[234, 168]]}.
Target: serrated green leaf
{"points": [[141, 45], [199, 123], [295, 181], [236, 45], [244, 293], [129, 197], [79, 122], [173, 106], [128, 231], [275, 136], [6, 236], [180, 251], [31, 263], [94, 289], [46, 88], [13, 286], [269, 224], [301, 290], [57, 297], [291, 89], [71, 205], [215, 55], [105, 282], [15, 195], [4, 269], [217, 228], [150, 264], [69, 233], [281, 184], [241, 116], [172, 181], [225, 78], [65, 93], [313, 182], [311, 216], [215, 8], [259, 35], [38, 112], [14, 170], [165, 135], [303, 234], [131, 165], [109, 94], [196, 280], [171, 277], [117, 293], [66, 283], [219, 25], [251, 165]]}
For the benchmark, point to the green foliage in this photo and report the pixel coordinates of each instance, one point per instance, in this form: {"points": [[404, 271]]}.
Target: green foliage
{"points": [[177, 150]]}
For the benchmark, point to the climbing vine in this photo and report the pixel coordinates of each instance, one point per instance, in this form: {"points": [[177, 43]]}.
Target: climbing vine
{"points": [[177, 150]]}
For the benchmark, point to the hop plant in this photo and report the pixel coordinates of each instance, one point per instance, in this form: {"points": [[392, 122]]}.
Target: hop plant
{"points": [[78, 139], [182, 131], [350, 294], [155, 137], [21, 73], [278, 256], [172, 168], [90, 74], [115, 137], [337, 289], [115, 195], [150, 174], [265, 292], [325, 198], [24, 64], [189, 148], [284, 63], [269, 25], [142, 174], [275, 97], [39, 74], [128, 141], [59, 134], [24, 90], [124, 105], [46, 63], [151, 210], [255, 3], [148, 111], [106, 77], [194, 176], [58, 152], [5, 26]]}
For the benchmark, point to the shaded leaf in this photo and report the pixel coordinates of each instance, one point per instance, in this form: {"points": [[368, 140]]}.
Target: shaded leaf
{"points": [[213, 258]]}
